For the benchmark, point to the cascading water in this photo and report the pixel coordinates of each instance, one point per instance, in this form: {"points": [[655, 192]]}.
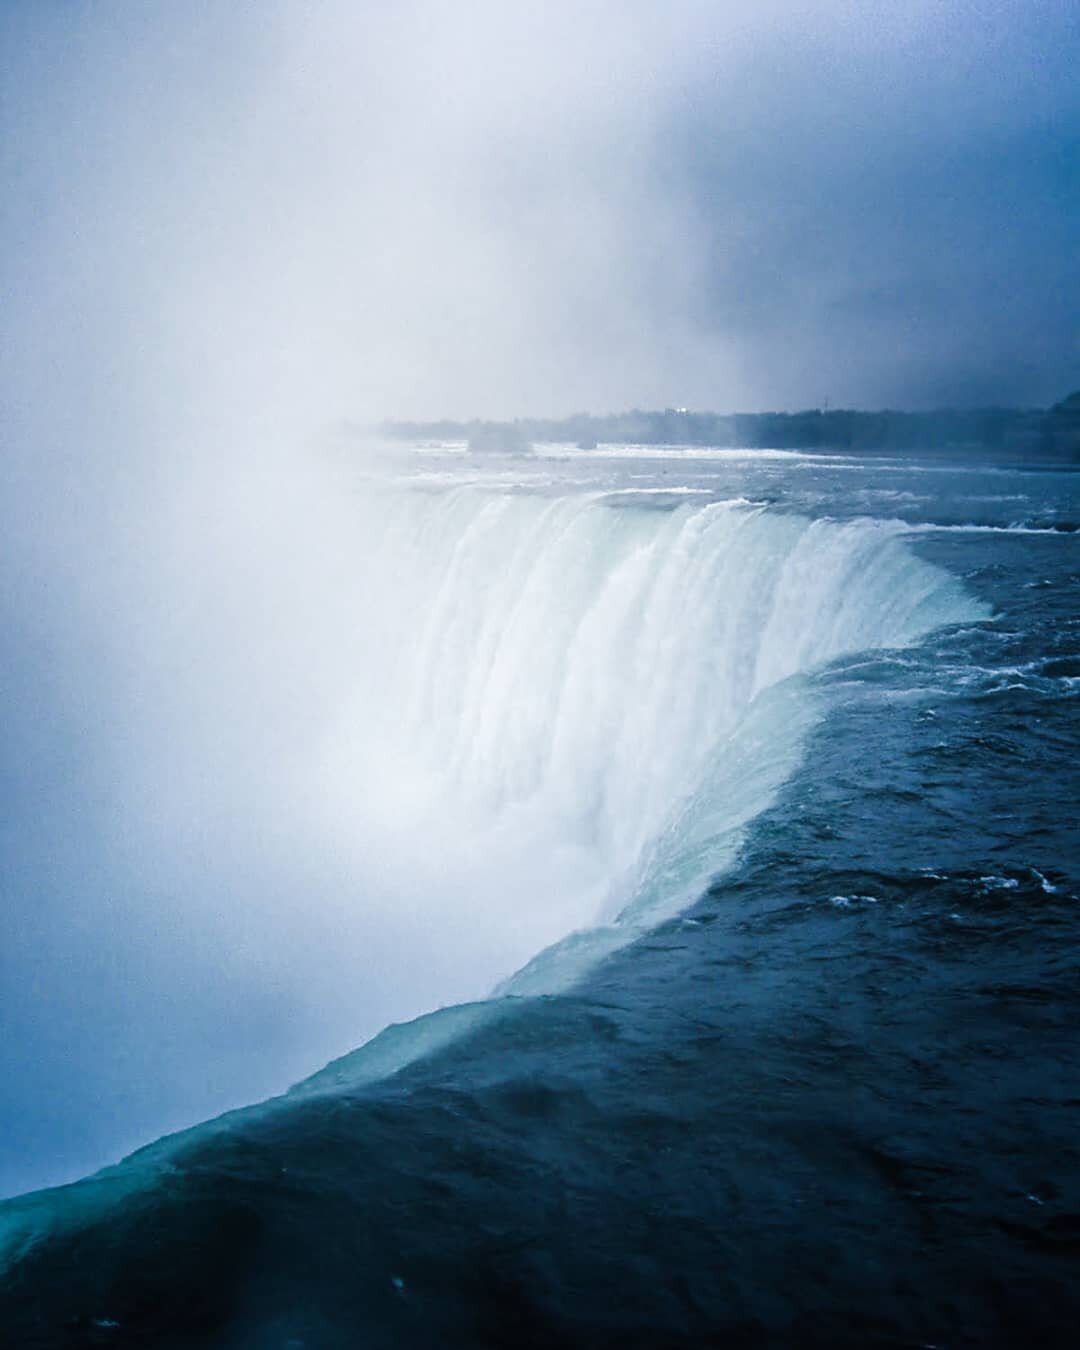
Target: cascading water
{"points": [[571, 704]]}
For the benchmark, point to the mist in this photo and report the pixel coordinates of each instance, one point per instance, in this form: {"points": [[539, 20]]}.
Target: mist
{"points": [[226, 228]]}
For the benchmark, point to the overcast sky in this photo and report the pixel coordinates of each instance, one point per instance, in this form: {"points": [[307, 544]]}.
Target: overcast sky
{"points": [[224, 225], [482, 208]]}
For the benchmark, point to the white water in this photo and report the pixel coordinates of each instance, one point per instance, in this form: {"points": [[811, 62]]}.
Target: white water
{"points": [[572, 704], [569, 707]]}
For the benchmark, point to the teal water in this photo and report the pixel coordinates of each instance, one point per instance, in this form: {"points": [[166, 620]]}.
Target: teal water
{"points": [[794, 741]]}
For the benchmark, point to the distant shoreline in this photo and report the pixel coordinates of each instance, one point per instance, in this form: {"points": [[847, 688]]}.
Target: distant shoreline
{"points": [[1035, 434]]}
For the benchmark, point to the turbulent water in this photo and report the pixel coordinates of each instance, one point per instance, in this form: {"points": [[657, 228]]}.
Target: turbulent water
{"points": [[750, 778]]}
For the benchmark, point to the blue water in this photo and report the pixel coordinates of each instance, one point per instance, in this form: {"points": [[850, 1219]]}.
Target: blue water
{"points": [[779, 752]]}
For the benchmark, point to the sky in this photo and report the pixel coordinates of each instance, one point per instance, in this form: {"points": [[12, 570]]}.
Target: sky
{"points": [[226, 226]]}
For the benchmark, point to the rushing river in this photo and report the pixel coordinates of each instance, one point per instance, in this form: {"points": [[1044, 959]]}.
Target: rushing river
{"points": [[748, 782]]}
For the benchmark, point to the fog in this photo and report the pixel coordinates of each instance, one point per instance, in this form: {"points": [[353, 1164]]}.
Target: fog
{"points": [[228, 227]]}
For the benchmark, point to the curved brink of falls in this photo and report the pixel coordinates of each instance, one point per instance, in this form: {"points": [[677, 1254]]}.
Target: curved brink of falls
{"points": [[583, 700], [576, 703]]}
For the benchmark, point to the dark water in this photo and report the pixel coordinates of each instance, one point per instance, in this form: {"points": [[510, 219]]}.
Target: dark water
{"points": [[837, 1102]]}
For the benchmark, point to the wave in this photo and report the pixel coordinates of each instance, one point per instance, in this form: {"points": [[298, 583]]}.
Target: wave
{"points": [[1062, 527], [631, 450]]}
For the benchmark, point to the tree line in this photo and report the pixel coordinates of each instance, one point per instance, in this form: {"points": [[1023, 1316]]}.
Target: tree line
{"points": [[1053, 432]]}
